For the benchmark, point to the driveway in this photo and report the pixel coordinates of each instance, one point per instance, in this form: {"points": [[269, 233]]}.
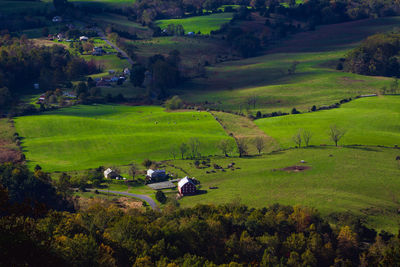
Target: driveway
{"points": [[145, 198]]}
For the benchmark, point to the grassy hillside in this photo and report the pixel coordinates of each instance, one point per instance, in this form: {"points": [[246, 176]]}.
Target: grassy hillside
{"points": [[316, 81], [361, 180], [84, 137], [17, 7], [204, 24], [368, 121]]}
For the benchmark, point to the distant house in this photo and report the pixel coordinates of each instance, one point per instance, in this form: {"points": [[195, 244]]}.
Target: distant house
{"points": [[69, 94], [57, 19], [186, 186], [127, 72], [41, 98], [83, 38], [36, 86], [98, 51], [110, 174], [156, 175], [103, 83], [190, 33]]}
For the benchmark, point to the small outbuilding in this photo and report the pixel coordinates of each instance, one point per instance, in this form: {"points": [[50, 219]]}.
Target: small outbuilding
{"points": [[57, 19], [109, 173], [156, 175], [83, 38], [186, 186]]}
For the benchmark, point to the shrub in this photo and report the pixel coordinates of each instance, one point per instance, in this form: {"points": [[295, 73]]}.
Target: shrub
{"points": [[174, 103], [160, 196]]}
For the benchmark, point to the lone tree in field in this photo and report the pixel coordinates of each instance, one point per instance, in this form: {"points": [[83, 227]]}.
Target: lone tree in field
{"points": [[307, 137], [242, 146], [336, 134], [183, 148], [174, 152], [225, 147], [194, 145], [297, 138], [260, 144], [292, 69], [132, 170]]}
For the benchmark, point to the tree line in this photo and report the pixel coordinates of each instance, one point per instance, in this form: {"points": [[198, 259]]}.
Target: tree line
{"points": [[34, 231]]}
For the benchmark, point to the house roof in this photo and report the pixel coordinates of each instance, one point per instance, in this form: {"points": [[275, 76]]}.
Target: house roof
{"points": [[184, 181]]}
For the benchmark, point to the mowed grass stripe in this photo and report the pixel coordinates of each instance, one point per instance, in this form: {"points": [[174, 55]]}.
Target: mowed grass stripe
{"points": [[89, 136], [367, 121]]}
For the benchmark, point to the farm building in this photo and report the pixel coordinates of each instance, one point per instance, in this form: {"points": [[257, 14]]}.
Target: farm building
{"points": [[186, 186], [57, 19], [83, 38], [109, 173], [98, 51], [155, 175]]}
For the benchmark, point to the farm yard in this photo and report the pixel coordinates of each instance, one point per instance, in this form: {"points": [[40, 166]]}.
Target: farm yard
{"points": [[84, 137]]}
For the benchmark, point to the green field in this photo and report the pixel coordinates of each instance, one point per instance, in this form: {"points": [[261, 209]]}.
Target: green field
{"points": [[229, 85], [204, 24], [83, 137], [367, 121], [362, 180], [17, 7]]}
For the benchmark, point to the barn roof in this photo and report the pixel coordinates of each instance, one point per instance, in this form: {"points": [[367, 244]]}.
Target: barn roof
{"points": [[184, 181]]}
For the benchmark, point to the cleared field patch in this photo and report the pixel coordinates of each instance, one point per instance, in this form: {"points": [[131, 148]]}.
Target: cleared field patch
{"points": [[204, 24], [243, 128], [17, 7], [192, 50], [83, 137], [338, 180], [367, 121]]}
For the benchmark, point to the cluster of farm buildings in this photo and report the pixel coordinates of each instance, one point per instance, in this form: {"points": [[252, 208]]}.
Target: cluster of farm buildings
{"points": [[158, 179]]}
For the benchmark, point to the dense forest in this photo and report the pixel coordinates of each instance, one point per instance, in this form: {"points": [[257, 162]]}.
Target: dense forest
{"points": [[34, 230], [377, 55]]}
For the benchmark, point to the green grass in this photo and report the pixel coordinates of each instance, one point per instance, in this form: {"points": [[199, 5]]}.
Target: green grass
{"points": [[192, 50], [316, 81], [83, 137], [204, 24], [18, 7], [368, 121], [352, 179]]}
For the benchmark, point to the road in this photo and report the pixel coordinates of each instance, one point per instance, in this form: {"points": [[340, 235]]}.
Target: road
{"points": [[148, 199], [103, 37]]}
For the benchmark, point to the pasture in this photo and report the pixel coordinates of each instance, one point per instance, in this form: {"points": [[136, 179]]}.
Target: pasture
{"points": [[83, 137], [367, 121], [229, 85], [204, 24], [362, 180], [23, 7]]}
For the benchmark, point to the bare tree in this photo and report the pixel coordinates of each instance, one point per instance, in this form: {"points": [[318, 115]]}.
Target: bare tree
{"points": [[242, 146], [174, 152], [307, 137], [292, 69], [132, 170], [260, 144], [225, 146], [194, 145], [183, 148], [336, 133], [297, 138]]}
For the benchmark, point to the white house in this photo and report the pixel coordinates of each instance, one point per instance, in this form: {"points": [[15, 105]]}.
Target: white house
{"points": [[57, 19], [83, 38], [127, 72], [109, 173]]}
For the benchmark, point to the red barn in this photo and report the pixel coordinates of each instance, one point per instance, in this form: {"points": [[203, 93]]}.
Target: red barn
{"points": [[186, 186]]}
